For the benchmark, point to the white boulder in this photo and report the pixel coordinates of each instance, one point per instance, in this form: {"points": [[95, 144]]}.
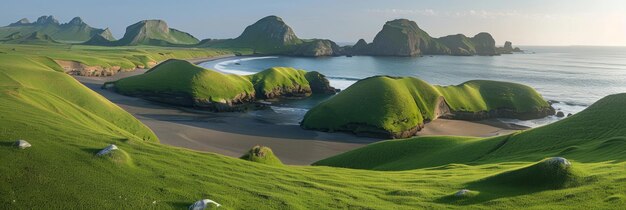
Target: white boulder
{"points": [[22, 144], [202, 204], [107, 150], [462, 193], [559, 161]]}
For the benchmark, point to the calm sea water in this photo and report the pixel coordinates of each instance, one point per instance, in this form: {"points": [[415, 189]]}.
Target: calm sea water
{"points": [[576, 77]]}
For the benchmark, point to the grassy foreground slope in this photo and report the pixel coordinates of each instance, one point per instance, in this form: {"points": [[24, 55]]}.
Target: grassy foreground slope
{"points": [[589, 136], [66, 129], [399, 106]]}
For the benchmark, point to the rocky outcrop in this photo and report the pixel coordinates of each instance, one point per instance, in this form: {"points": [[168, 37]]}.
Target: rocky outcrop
{"points": [[459, 45], [270, 31], [80, 69], [360, 47], [484, 44], [508, 48], [154, 32], [319, 83], [500, 113], [403, 37], [317, 48]]}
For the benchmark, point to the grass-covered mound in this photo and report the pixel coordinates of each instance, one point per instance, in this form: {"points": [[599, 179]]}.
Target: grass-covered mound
{"points": [[398, 107], [66, 129], [550, 173], [179, 82], [589, 136], [182, 83], [262, 154]]}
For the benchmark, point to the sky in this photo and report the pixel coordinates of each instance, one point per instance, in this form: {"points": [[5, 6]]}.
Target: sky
{"points": [[528, 22]]}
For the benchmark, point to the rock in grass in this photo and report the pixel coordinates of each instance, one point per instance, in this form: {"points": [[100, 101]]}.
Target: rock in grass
{"points": [[107, 150], [22, 144], [558, 161], [462, 193], [202, 204]]}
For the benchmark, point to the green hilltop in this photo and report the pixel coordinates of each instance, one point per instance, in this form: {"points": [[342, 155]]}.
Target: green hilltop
{"points": [[398, 107], [74, 31], [589, 136], [182, 83], [147, 32], [67, 129], [271, 35]]}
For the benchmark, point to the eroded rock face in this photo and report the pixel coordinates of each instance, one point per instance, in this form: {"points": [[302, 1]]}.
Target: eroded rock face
{"points": [[80, 69], [319, 83], [501, 113], [402, 37], [484, 44], [271, 30], [317, 48]]}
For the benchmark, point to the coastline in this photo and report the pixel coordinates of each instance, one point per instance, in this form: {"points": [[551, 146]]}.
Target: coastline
{"points": [[233, 134]]}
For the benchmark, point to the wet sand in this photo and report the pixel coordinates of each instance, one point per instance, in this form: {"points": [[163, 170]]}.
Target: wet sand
{"points": [[233, 134]]}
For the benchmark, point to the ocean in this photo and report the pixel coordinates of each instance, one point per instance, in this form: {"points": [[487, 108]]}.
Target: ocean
{"points": [[573, 77]]}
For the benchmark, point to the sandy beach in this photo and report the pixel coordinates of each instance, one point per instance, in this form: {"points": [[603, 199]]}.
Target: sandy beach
{"points": [[233, 134]]}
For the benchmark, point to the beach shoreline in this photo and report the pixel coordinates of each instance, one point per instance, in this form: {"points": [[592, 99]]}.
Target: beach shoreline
{"points": [[233, 134]]}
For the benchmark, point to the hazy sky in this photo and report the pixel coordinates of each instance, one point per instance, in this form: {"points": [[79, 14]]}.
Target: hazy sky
{"points": [[528, 22]]}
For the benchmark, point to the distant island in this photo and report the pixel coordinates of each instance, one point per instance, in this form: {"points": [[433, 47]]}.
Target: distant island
{"points": [[268, 36]]}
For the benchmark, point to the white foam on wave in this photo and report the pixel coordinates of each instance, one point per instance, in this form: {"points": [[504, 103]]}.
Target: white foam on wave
{"points": [[294, 115], [223, 66], [341, 83], [566, 108]]}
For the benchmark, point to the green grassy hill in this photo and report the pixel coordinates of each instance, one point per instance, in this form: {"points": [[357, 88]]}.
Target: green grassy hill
{"points": [[182, 83], [127, 58], [589, 136], [66, 129], [400, 106], [74, 31], [154, 32], [36, 38]]}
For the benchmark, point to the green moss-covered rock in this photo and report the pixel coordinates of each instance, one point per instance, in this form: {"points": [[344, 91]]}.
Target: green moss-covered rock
{"points": [[262, 154], [398, 107]]}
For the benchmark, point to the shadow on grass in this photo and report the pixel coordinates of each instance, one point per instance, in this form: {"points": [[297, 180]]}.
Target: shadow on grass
{"points": [[179, 205], [7, 144]]}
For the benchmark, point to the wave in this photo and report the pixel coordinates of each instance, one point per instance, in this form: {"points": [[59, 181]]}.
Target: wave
{"points": [[222, 66]]}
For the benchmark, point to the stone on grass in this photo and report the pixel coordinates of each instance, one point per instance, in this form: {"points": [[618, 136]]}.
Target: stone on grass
{"points": [[107, 150], [202, 204], [22, 144], [462, 193], [558, 161]]}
